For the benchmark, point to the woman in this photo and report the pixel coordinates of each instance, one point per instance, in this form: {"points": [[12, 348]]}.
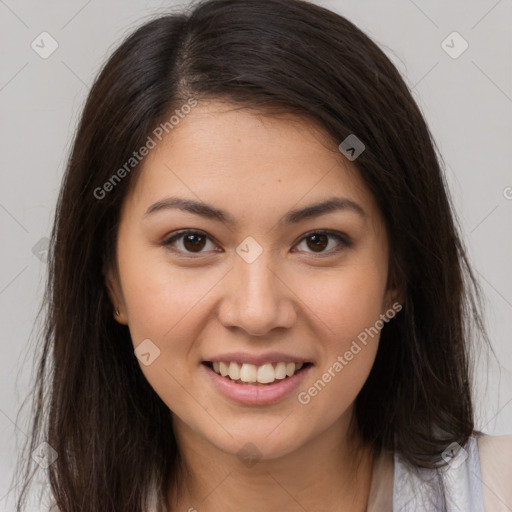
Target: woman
{"points": [[258, 298]]}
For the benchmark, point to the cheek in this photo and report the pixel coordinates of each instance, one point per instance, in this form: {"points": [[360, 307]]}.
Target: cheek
{"points": [[344, 302], [160, 297], [346, 309], [169, 306]]}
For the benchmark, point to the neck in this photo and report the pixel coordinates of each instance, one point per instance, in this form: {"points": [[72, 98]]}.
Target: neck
{"points": [[332, 472]]}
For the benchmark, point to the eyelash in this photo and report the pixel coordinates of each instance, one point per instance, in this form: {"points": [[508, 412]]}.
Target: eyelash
{"points": [[343, 240]]}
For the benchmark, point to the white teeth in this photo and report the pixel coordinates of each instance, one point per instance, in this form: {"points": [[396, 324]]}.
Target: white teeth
{"points": [[234, 371], [248, 373], [264, 374], [223, 367], [280, 370]]}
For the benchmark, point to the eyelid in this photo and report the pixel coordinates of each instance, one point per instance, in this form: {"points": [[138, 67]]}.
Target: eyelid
{"points": [[342, 238]]}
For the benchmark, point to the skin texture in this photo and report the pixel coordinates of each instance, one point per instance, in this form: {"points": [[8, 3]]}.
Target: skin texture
{"points": [[196, 305]]}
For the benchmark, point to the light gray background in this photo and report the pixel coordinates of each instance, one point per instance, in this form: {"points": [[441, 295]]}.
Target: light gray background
{"points": [[467, 102]]}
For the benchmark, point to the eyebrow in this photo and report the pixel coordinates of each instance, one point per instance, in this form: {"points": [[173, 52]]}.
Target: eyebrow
{"points": [[292, 217]]}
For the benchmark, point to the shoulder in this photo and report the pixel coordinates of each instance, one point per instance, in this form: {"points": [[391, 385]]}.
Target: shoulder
{"points": [[495, 454]]}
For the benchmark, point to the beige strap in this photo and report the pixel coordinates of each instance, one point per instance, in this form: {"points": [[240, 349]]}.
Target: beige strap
{"points": [[381, 489], [496, 468]]}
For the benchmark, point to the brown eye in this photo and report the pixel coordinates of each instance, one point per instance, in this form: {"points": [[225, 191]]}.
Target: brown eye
{"points": [[318, 241], [194, 242], [190, 241]]}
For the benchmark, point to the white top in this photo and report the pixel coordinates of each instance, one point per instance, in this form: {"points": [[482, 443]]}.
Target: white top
{"points": [[456, 487], [476, 478]]}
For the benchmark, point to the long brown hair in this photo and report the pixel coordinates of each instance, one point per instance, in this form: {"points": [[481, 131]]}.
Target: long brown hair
{"points": [[93, 406]]}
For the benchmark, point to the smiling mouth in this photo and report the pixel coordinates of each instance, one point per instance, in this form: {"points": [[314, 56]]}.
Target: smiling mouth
{"points": [[265, 374]]}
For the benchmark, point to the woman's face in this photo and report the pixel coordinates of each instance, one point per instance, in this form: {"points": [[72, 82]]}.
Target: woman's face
{"points": [[252, 290]]}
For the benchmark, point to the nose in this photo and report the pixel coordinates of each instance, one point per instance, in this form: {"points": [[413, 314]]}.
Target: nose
{"points": [[257, 298]]}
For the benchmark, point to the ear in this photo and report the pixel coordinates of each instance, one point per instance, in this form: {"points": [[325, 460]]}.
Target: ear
{"points": [[395, 293], [116, 296], [394, 300]]}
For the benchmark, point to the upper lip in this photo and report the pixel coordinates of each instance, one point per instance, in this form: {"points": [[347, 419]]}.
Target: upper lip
{"points": [[257, 359]]}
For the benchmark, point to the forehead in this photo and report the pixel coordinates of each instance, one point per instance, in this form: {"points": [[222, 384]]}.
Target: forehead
{"points": [[245, 161]]}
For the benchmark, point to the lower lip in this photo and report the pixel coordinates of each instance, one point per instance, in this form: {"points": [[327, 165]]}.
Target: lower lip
{"points": [[249, 394]]}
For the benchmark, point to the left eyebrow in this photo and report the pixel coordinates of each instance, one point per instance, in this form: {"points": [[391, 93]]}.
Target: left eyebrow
{"points": [[292, 217], [191, 206], [328, 206]]}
